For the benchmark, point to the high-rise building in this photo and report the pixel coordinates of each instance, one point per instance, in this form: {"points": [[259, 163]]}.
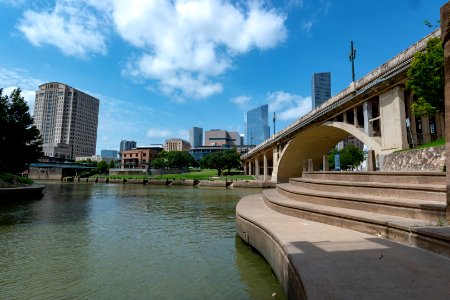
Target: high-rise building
{"points": [[67, 119], [176, 145], [218, 137], [126, 145], [111, 154], [320, 88], [196, 137], [256, 123]]}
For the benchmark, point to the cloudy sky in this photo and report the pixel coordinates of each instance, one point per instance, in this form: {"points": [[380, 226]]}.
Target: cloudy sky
{"points": [[161, 67]]}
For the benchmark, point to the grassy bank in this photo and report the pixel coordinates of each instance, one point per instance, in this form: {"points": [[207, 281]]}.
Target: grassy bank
{"points": [[436, 143], [8, 180]]}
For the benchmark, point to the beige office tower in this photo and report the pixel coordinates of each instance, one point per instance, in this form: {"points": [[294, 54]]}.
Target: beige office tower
{"points": [[67, 119]]}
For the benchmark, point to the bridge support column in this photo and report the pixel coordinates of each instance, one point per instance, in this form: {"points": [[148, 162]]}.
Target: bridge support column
{"points": [[265, 167], [275, 160], [368, 127], [245, 168], [325, 167], [355, 117], [393, 120], [256, 167], [445, 35], [250, 167]]}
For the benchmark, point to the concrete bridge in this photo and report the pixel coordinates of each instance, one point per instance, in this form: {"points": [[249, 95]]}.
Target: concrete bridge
{"points": [[374, 109]]}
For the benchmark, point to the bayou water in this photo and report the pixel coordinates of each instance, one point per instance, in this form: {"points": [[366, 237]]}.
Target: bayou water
{"points": [[119, 241]]}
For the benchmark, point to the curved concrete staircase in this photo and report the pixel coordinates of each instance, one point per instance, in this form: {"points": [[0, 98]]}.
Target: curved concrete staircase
{"points": [[404, 207]]}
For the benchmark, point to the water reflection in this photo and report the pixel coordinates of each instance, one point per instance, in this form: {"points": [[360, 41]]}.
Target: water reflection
{"points": [[129, 241]]}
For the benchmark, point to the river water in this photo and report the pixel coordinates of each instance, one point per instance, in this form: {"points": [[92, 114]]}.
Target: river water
{"points": [[107, 241]]}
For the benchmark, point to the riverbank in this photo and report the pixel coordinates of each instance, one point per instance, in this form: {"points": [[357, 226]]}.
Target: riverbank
{"points": [[178, 182]]}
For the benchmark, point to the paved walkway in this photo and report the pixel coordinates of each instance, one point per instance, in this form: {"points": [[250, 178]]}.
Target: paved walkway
{"points": [[337, 263]]}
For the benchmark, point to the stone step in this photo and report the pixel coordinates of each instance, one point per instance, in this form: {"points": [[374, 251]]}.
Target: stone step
{"points": [[421, 233], [434, 178], [317, 261], [419, 209], [402, 190]]}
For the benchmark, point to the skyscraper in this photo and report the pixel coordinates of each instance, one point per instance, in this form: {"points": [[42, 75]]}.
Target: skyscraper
{"points": [[126, 145], [67, 119], [320, 88], [196, 137], [256, 125]]}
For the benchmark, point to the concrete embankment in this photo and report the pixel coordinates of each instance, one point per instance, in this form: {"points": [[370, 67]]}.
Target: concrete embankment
{"points": [[28, 190], [177, 182], [318, 261]]}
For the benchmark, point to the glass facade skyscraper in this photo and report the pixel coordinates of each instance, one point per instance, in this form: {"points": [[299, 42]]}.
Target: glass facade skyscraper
{"points": [[126, 145], [256, 125], [196, 137], [320, 88]]}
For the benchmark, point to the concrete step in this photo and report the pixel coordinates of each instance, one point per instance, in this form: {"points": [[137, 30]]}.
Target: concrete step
{"points": [[434, 178], [419, 209], [318, 261], [432, 192], [421, 233]]}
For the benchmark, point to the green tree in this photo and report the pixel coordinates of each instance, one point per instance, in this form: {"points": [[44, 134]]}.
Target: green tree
{"points": [[180, 159], [102, 167], [232, 159], [215, 160], [159, 163], [111, 164], [426, 79], [20, 140], [351, 157]]}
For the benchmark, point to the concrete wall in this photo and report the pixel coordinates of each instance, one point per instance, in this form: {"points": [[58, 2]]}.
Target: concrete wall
{"points": [[427, 159]]}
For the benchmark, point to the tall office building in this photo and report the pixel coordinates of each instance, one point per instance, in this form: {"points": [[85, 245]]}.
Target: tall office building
{"points": [[126, 145], [67, 119], [320, 88], [196, 137], [218, 137], [256, 125], [111, 154]]}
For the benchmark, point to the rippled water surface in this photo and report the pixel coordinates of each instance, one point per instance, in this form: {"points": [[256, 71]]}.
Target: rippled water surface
{"points": [[105, 241]]}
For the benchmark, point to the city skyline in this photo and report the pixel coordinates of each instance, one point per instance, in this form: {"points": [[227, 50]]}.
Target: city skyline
{"points": [[202, 73]]}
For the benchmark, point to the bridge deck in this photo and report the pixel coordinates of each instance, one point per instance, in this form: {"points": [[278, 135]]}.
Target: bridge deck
{"points": [[337, 263]]}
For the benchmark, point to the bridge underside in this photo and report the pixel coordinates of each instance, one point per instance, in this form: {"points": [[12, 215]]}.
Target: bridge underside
{"points": [[312, 144]]}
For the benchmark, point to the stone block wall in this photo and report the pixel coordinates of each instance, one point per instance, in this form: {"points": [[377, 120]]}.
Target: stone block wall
{"points": [[427, 159]]}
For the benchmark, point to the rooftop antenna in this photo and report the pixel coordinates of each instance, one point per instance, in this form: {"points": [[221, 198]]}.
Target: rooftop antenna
{"points": [[352, 57]]}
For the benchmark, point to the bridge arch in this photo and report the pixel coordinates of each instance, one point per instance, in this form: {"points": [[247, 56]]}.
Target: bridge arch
{"points": [[316, 142]]}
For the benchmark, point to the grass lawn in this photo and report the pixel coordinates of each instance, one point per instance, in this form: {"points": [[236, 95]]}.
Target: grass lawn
{"points": [[207, 174], [436, 143]]}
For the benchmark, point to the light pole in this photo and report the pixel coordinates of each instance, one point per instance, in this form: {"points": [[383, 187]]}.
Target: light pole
{"points": [[352, 57], [274, 119]]}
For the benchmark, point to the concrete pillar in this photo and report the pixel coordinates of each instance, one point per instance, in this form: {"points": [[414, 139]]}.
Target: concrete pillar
{"points": [[275, 165], [445, 35], [426, 129], [326, 167], [245, 168], [371, 163], [310, 165], [250, 167], [344, 117], [265, 167], [393, 120], [256, 167], [368, 127], [304, 169], [355, 117]]}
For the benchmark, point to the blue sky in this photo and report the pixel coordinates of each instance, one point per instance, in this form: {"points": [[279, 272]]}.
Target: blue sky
{"points": [[161, 67]]}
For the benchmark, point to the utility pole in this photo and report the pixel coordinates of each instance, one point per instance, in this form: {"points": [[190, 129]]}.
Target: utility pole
{"points": [[274, 119], [352, 57]]}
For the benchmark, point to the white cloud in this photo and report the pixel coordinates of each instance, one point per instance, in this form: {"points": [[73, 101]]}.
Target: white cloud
{"points": [[159, 133], [288, 106], [11, 79], [181, 46], [307, 26], [241, 101], [72, 26]]}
